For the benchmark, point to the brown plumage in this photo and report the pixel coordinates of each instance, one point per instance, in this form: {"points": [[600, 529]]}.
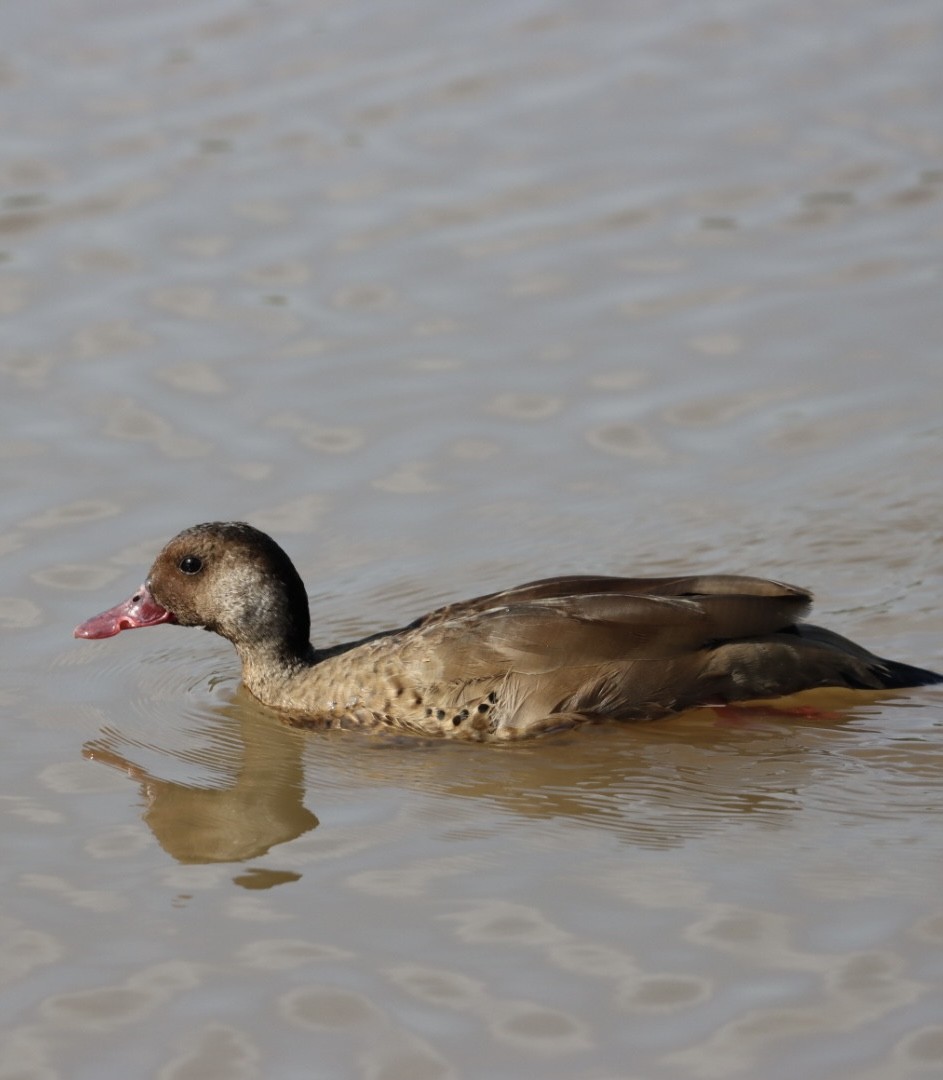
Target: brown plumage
{"points": [[542, 656]]}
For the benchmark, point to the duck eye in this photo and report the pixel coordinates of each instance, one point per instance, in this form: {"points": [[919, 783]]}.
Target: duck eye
{"points": [[191, 564]]}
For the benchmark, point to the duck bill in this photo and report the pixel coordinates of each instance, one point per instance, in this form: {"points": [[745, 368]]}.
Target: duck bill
{"points": [[141, 609]]}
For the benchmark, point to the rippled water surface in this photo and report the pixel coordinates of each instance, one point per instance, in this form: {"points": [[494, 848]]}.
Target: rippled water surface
{"points": [[448, 297]]}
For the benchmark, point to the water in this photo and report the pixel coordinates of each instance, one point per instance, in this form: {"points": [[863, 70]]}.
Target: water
{"points": [[448, 297]]}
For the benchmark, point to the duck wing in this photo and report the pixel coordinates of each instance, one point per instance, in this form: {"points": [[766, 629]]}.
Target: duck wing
{"points": [[580, 621]]}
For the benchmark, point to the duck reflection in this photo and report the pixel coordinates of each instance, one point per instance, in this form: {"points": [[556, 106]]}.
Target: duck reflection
{"points": [[261, 807], [655, 785]]}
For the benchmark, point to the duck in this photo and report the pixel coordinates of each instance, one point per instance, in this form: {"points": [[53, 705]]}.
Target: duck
{"points": [[540, 657]]}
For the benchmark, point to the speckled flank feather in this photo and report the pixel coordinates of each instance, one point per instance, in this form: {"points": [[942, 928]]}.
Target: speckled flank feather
{"points": [[538, 657]]}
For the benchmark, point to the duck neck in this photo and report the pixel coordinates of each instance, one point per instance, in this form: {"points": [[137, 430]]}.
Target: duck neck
{"points": [[266, 670]]}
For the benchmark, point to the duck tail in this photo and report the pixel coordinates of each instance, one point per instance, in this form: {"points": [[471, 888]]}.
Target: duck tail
{"points": [[895, 675], [863, 670]]}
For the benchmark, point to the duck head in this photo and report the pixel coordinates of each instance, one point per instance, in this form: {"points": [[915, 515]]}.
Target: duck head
{"points": [[227, 577]]}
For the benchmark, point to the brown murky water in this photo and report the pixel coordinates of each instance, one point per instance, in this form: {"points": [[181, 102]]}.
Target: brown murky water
{"points": [[448, 297]]}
